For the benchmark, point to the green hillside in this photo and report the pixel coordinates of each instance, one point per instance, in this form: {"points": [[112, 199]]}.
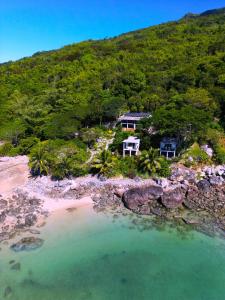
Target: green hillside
{"points": [[175, 70]]}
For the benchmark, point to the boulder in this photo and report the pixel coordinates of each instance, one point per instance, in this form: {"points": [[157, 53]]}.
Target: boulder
{"points": [[203, 185], [208, 150], [216, 180], [172, 197], [27, 244], [136, 197]]}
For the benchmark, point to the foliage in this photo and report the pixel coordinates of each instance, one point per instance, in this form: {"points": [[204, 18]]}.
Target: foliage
{"points": [[187, 123], [58, 158], [7, 149], [116, 146], [104, 164], [128, 166], [38, 163], [150, 162], [53, 94], [174, 70], [90, 135], [195, 155], [25, 145], [164, 170]]}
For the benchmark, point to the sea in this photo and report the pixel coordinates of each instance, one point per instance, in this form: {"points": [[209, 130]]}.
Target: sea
{"points": [[89, 255]]}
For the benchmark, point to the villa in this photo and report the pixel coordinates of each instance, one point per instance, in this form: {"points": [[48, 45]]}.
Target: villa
{"points": [[129, 120], [168, 147], [131, 146]]}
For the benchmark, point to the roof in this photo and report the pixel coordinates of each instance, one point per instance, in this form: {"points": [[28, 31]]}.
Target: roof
{"points": [[169, 140], [132, 139], [135, 116]]}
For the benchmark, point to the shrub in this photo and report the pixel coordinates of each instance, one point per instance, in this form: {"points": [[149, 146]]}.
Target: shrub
{"points": [[164, 170], [25, 145], [118, 140], [8, 149], [195, 155], [219, 153], [60, 159], [105, 164], [128, 167]]}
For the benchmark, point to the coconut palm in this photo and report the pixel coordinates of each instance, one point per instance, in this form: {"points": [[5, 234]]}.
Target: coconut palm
{"points": [[150, 161], [38, 162], [104, 163]]}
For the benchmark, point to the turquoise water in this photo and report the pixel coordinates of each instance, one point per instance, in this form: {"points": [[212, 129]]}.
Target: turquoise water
{"points": [[96, 256]]}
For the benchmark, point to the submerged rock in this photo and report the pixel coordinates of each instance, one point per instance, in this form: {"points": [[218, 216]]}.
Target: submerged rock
{"points": [[27, 244], [16, 267], [8, 291]]}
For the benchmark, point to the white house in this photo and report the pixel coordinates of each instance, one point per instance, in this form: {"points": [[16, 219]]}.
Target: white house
{"points": [[131, 146], [168, 147], [129, 121]]}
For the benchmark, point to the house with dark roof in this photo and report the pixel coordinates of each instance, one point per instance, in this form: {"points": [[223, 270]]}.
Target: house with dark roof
{"points": [[168, 147], [129, 120]]}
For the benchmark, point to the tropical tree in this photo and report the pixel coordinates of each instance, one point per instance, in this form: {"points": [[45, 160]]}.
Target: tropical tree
{"points": [[38, 163], [150, 161], [104, 163]]}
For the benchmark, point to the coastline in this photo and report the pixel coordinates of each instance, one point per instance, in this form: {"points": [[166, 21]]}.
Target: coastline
{"points": [[187, 197]]}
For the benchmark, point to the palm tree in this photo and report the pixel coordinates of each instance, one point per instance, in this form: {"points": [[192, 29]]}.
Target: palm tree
{"points": [[38, 162], [150, 161], [104, 163]]}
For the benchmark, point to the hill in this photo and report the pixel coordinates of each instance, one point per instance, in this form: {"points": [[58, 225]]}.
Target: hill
{"points": [[173, 67]]}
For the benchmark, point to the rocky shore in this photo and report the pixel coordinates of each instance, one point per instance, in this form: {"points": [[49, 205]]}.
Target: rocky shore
{"points": [[193, 197]]}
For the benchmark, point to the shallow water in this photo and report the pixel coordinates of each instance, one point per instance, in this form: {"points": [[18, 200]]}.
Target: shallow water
{"points": [[97, 256]]}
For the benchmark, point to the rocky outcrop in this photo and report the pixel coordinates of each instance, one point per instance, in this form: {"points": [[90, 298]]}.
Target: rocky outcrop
{"points": [[19, 213], [173, 197], [140, 196]]}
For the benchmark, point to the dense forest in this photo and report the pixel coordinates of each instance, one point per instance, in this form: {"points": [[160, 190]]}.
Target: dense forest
{"points": [[174, 70]]}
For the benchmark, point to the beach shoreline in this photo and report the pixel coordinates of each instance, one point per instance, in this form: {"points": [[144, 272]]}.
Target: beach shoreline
{"points": [[26, 202]]}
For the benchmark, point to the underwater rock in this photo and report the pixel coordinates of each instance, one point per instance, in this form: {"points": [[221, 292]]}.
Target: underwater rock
{"points": [[8, 291], [27, 244], [16, 267]]}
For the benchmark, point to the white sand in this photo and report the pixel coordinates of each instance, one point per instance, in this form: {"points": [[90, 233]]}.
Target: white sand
{"points": [[14, 173], [53, 205]]}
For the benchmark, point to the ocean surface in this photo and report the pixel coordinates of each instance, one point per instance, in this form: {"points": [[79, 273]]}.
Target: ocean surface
{"points": [[88, 255]]}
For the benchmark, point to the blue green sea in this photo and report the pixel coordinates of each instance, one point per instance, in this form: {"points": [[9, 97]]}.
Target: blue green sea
{"points": [[103, 256]]}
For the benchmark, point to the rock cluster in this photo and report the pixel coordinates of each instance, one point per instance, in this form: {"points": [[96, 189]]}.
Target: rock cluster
{"points": [[186, 189], [18, 213]]}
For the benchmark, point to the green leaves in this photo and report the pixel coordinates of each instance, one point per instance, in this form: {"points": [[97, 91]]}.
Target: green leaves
{"points": [[104, 164], [150, 161]]}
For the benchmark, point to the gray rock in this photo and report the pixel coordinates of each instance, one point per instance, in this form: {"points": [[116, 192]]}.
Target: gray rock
{"points": [[7, 291], [172, 197], [208, 150], [216, 180], [139, 196], [16, 267], [204, 185]]}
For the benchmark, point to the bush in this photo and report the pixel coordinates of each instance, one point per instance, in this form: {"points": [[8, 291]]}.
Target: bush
{"points": [[127, 166], [195, 155], [7, 149], [116, 146], [25, 145], [219, 155], [59, 158], [164, 170]]}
